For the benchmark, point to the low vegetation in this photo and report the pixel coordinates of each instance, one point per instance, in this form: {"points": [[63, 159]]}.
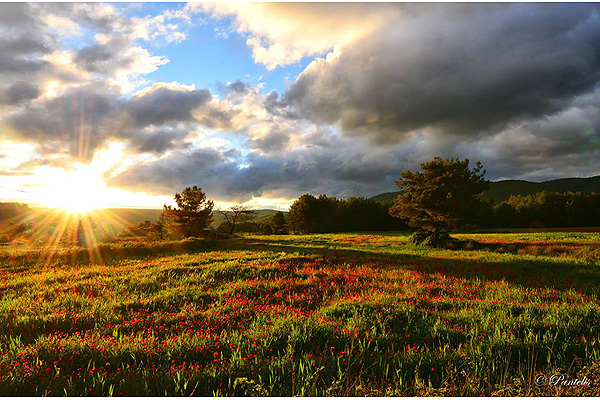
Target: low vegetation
{"points": [[331, 314]]}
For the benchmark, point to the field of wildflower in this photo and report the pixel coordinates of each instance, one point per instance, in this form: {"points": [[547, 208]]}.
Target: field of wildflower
{"points": [[333, 314]]}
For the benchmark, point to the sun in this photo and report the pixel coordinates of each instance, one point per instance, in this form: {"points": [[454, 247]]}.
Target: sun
{"points": [[77, 191]]}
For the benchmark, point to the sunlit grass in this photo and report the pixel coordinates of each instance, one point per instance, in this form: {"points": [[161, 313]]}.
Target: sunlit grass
{"points": [[301, 315]]}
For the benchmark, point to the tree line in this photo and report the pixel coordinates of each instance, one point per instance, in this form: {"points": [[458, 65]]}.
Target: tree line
{"points": [[310, 214], [547, 209], [445, 196]]}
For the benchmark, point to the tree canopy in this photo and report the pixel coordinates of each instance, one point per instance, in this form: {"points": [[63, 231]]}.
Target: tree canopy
{"points": [[278, 224], [310, 214], [445, 195], [194, 215]]}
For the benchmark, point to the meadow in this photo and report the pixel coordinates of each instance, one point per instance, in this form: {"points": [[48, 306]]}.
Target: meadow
{"points": [[331, 314]]}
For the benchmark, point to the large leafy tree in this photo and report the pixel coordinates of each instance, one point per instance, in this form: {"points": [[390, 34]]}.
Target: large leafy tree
{"points": [[310, 214], [194, 213], [444, 196]]}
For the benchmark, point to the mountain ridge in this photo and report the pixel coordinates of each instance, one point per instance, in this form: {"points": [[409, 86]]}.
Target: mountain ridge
{"points": [[502, 190]]}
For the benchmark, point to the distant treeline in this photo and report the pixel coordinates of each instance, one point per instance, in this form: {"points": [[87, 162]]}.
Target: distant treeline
{"points": [[310, 214], [547, 209]]}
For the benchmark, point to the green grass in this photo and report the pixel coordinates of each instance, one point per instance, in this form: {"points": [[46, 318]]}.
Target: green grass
{"points": [[335, 314]]}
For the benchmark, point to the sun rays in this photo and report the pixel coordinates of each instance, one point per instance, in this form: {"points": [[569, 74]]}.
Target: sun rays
{"points": [[60, 234]]}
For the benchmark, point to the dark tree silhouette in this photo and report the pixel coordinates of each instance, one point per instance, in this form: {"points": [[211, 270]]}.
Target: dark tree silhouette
{"points": [[446, 195], [194, 214], [548, 209], [309, 214], [278, 224], [162, 224]]}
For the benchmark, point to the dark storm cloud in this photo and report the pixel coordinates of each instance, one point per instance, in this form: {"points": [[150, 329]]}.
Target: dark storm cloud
{"points": [[78, 121], [213, 169], [555, 146], [84, 118], [95, 58], [341, 168], [511, 85], [15, 15], [159, 141], [273, 141], [22, 41], [22, 45], [19, 92], [455, 68], [163, 105]]}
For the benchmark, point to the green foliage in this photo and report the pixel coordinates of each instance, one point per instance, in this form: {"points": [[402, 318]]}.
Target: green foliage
{"points": [[161, 226], [235, 216], [430, 239], [278, 224], [194, 214], [310, 214], [444, 196], [549, 209], [303, 315]]}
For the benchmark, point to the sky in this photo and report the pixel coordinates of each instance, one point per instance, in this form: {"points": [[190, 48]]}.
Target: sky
{"points": [[125, 104]]}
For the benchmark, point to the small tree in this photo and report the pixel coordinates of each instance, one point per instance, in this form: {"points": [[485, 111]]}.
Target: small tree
{"points": [[444, 196], [194, 214], [278, 224], [162, 224], [233, 216]]}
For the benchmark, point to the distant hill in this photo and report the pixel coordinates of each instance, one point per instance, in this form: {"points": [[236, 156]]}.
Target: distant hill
{"points": [[502, 190], [133, 216], [105, 222], [387, 196], [260, 216]]}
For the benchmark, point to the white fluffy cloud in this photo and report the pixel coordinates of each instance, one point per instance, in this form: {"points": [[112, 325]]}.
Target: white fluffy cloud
{"points": [[284, 33]]}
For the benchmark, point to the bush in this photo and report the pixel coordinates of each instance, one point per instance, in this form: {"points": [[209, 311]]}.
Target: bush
{"points": [[431, 239], [418, 237]]}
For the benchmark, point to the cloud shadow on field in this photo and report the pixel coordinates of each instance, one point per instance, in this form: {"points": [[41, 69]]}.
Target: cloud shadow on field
{"points": [[525, 272]]}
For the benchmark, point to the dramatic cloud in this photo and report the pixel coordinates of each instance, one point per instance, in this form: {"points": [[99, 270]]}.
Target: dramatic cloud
{"points": [[390, 86], [455, 68], [321, 162], [159, 140], [74, 119], [163, 104], [84, 117], [23, 41], [19, 92]]}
